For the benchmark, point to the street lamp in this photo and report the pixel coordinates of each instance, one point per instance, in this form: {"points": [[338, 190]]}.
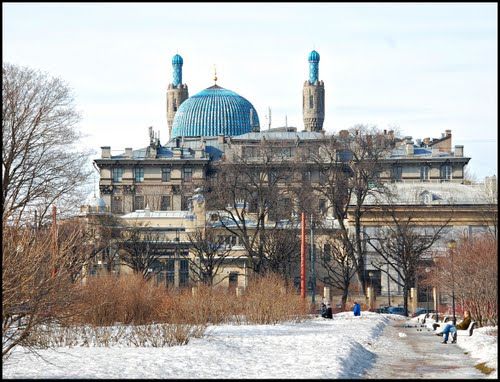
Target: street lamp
{"points": [[451, 245], [388, 287], [427, 270]]}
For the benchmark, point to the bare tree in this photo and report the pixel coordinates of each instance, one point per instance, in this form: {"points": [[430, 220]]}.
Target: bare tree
{"points": [[402, 245], [473, 268], [38, 274], [210, 252], [339, 265], [252, 196], [349, 166], [282, 248], [41, 164], [140, 248]]}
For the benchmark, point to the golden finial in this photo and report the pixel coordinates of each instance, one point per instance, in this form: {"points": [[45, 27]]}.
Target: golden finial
{"points": [[215, 75]]}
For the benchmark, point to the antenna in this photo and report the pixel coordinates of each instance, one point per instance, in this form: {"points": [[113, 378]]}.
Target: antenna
{"points": [[215, 75]]}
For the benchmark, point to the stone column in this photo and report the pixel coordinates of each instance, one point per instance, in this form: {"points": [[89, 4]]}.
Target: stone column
{"points": [[326, 294], [370, 291], [413, 299]]}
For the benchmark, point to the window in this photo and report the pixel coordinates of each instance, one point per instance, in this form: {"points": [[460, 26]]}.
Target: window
{"points": [[185, 202], [165, 203], [116, 205], [397, 173], [117, 174], [311, 101], [183, 272], [327, 252], [272, 177], [322, 206], [446, 172], [233, 280], [139, 174], [138, 202], [306, 176], [424, 173], [170, 271], [188, 174], [165, 174]]}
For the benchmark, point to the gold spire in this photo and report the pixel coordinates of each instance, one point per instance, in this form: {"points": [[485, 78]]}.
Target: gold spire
{"points": [[215, 75]]}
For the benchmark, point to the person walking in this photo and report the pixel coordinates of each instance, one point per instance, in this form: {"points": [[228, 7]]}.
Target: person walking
{"points": [[323, 309], [329, 312], [356, 309], [450, 328]]}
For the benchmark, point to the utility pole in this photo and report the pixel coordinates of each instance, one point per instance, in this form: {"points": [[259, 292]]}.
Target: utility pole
{"points": [[313, 271], [303, 256]]}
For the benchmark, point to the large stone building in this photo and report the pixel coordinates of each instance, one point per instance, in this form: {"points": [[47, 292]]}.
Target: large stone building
{"points": [[216, 125]]}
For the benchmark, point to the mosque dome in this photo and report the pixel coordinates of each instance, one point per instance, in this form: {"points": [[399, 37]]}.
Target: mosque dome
{"points": [[177, 59], [314, 56], [215, 111]]}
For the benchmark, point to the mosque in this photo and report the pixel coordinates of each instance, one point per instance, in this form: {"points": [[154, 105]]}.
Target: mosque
{"points": [[159, 183]]}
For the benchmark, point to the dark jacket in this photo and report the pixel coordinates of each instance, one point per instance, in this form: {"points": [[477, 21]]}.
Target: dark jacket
{"points": [[323, 310], [329, 313]]}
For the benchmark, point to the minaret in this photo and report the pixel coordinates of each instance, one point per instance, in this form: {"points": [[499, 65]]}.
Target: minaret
{"points": [[177, 92], [313, 97]]}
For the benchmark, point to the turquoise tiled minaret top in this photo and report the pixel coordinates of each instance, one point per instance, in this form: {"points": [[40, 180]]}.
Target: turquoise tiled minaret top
{"points": [[177, 72], [313, 67], [215, 111]]}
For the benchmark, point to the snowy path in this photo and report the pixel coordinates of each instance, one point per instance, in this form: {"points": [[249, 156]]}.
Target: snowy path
{"points": [[419, 354]]}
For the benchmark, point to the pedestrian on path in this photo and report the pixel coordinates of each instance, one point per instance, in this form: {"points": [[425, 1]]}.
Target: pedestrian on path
{"points": [[356, 309]]}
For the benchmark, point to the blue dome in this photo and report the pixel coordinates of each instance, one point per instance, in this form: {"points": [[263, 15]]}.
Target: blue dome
{"points": [[214, 111], [177, 60], [314, 56]]}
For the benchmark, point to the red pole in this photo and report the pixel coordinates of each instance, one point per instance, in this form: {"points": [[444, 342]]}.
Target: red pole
{"points": [[303, 257]]}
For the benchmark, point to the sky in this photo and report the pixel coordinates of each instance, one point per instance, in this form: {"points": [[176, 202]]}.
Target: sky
{"points": [[419, 68], [344, 347]]}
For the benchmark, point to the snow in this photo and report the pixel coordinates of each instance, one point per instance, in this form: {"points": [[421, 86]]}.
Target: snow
{"points": [[315, 348]]}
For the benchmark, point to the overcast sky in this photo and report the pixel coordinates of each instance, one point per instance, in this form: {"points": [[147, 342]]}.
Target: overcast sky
{"points": [[422, 68]]}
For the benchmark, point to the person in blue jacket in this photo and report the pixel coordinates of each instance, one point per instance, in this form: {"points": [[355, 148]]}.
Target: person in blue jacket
{"points": [[356, 309]]}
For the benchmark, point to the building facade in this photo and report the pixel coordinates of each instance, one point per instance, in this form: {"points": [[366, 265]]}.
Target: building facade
{"points": [[216, 125]]}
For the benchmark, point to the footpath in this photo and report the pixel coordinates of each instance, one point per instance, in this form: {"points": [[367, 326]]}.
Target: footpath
{"points": [[405, 352]]}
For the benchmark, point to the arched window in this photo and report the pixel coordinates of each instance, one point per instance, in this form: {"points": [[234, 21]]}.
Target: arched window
{"points": [[446, 172]]}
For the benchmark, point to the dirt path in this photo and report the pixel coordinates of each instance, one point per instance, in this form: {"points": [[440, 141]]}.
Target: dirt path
{"points": [[404, 352]]}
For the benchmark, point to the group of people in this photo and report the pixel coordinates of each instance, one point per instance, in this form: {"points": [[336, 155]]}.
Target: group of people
{"points": [[326, 310]]}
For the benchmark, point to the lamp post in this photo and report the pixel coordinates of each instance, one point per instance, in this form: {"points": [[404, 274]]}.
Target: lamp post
{"points": [[427, 270], [388, 287], [451, 245]]}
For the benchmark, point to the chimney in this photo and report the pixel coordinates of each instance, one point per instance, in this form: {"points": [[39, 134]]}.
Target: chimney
{"points": [[128, 152], [409, 148], [106, 152], [459, 150], [427, 141], [448, 133], [391, 134]]}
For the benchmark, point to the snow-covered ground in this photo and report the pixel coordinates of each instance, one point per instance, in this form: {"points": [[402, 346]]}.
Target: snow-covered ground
{"points": [[316, 348]]}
